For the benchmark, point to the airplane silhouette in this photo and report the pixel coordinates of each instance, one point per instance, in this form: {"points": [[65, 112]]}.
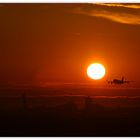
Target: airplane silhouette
{"points": [[118, 81]]}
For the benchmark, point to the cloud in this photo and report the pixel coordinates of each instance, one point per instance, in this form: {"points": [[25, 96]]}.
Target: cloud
{"points": [[128, 14], [116, 97], [133, 6]]}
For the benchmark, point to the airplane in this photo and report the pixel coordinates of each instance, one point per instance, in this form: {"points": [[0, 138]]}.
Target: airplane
{"points": [[118, 81]]}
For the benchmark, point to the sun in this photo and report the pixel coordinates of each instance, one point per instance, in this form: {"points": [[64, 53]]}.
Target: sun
{"points": [[96, 71]]}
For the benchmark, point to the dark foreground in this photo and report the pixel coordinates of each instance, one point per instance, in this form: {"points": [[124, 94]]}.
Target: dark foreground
{"points": [[70, 112]]}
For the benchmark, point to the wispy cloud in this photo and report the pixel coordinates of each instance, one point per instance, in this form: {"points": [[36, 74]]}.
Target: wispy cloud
{"points": [[113, 12], [133, 6], [116, 97]]}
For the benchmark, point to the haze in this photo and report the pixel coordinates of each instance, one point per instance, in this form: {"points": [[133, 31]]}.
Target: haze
{"points": [[54, 43]]}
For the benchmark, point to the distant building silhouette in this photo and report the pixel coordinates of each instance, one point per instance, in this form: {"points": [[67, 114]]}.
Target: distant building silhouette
{"points": [[24, 101], [88, 103]]}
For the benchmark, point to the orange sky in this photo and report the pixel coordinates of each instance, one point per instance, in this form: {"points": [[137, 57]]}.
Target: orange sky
{"points": [[42, 43]]}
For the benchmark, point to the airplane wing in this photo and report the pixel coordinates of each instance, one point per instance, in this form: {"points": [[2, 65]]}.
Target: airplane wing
{"points": [[127, 82]]}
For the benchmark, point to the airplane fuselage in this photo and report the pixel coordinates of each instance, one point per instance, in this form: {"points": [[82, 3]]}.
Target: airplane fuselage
{"points": [[116, 81]]}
